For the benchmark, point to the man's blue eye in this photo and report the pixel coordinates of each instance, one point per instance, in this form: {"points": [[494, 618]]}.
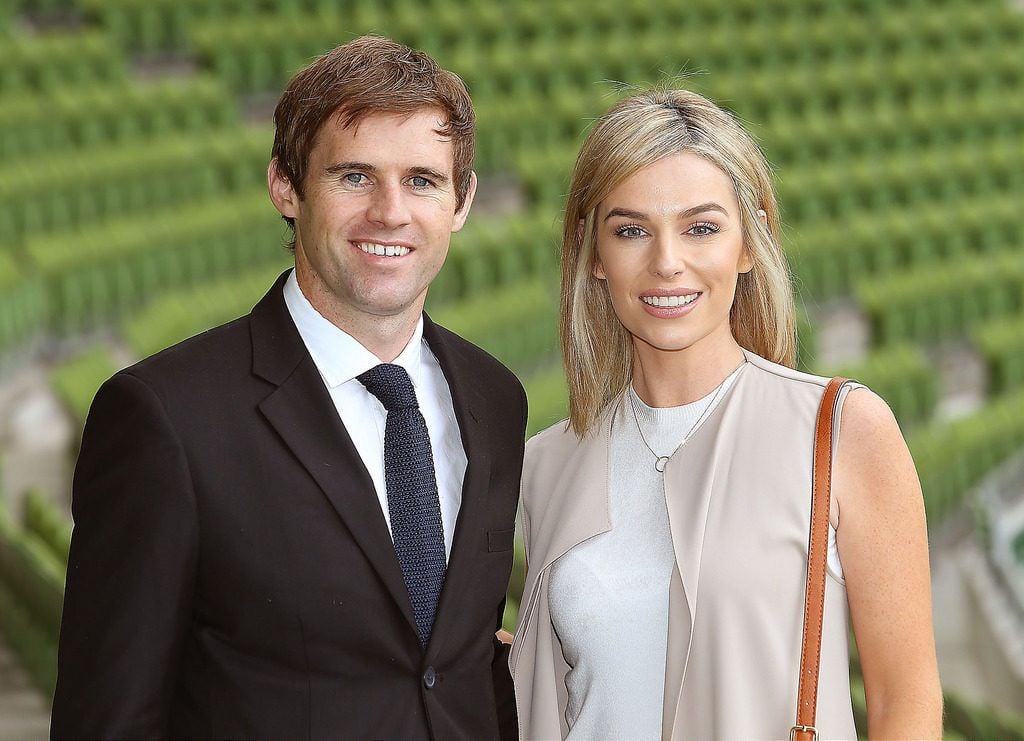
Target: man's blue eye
{"points": [[355, 178], [419, 181]]}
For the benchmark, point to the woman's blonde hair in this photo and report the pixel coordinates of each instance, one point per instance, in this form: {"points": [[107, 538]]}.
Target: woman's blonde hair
{"points": [[635, 133]]}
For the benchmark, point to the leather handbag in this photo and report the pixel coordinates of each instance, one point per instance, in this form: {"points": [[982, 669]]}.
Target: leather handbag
{"points": [[821, 491]]}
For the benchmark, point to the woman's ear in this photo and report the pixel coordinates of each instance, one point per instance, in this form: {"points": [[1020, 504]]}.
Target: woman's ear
{"points": [[598, 270]]}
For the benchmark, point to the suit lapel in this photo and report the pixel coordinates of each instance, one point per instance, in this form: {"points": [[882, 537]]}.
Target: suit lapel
{"points": [[303, 414], [471, 414]]}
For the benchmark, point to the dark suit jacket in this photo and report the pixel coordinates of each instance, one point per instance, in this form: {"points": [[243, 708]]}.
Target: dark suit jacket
{"points": [[231, 573]]}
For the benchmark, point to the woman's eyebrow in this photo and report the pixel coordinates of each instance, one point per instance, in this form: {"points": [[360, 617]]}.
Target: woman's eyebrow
{"points": [[630, 214]]}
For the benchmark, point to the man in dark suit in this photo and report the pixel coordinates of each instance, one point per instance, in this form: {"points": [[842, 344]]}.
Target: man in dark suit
{"points": [[299, 524]]}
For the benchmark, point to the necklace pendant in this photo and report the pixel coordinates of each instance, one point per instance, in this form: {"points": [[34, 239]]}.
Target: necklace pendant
{"points": [[661, 463]]}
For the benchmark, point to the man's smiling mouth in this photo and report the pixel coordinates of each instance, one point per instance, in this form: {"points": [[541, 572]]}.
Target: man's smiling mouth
{"points": [[383, 250]]}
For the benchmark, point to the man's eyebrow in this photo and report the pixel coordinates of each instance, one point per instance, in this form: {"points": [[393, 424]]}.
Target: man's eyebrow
{"points": [[630, 214], [430, 173], [340, 167]]}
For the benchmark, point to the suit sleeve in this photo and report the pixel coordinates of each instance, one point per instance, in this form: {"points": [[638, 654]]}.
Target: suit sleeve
{"points": [[504, 690], [131, 570]]}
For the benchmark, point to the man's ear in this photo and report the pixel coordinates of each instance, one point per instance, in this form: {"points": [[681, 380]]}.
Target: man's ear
{"points": [[463, 213], [282, 194]]}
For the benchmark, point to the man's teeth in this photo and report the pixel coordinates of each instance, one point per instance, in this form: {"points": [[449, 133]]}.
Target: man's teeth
{"points": [[669, 301], [383, 250]]}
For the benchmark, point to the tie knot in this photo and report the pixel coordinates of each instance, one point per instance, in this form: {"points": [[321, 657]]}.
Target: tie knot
{"points": [[391, 384]]}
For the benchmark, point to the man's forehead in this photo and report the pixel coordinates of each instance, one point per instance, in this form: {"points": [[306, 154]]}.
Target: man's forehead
{"points": [[426, 117], [416, 132]]}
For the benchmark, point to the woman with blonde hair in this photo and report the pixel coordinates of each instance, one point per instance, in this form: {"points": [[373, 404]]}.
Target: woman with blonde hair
{"points": [[666, 523]]}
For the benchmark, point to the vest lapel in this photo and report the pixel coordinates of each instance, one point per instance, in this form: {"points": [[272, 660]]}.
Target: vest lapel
{"points": [[690, 482], [573, 508]]}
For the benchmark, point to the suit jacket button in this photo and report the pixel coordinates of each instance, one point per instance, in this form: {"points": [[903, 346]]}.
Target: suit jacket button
{"points": [[429, 678]]}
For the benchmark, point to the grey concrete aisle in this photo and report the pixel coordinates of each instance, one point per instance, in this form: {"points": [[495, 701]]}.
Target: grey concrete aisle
{"points": [[24, 712]]}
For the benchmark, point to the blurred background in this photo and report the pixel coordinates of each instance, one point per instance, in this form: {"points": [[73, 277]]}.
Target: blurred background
{"points": [[134, 137]]}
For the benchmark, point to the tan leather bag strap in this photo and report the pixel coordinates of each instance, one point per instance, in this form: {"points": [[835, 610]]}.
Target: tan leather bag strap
{"points": [[810, 652]]}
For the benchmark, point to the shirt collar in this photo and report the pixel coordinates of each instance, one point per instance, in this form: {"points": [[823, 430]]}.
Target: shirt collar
{"points": [[339, 356]]}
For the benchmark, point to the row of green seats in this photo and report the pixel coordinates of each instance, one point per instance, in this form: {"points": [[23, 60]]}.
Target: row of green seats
{"points": [[57, 192], [96, 275], [760, 87], [517, 323], [76, 380], [880, 129], [810, 91], [22, 304], [705, 10], [547, 397], [34, 123], [756, 32], [535, 126], [1001, 343], [831, 256], [904, 377], [952, 458], [175, 316], [544, 172], [925, 305], [47, 523], [55, 61], [156, 26], [490, 253], [253, 53], [42, 8], [31, 596], [855, 185]]}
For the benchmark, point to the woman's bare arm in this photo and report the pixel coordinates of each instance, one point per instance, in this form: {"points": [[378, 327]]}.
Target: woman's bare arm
{"points": [[883, 543]]}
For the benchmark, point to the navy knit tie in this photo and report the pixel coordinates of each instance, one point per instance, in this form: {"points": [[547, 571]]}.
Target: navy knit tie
{"points": [[412, 492]]}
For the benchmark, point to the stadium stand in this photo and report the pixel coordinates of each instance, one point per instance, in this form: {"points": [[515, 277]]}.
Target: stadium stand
{"points": [[132, 213], [1001, 343], [34, 124], [55, 61]]}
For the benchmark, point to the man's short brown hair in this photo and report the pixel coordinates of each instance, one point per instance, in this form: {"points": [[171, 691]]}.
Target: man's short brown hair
{"points": [[370, 75]]}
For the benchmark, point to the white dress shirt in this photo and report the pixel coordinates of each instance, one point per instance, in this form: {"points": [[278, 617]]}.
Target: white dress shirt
{"points": [[340, 358]]}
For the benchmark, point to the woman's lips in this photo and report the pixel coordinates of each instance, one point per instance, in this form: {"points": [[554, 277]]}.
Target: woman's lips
{"points": [[670, 304]]}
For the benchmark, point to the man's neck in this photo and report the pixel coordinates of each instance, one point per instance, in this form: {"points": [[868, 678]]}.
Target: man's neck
{"points": [[384, 336]]}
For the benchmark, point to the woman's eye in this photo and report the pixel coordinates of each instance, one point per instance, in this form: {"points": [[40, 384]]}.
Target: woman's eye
{"points": [[631, 231], [702, 229]]}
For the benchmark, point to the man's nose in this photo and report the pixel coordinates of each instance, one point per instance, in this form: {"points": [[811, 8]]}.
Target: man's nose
{"points": [[387, 206]]}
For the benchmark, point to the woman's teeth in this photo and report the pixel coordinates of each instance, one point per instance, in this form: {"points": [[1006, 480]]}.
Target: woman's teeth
{"points": [[669, 301]]}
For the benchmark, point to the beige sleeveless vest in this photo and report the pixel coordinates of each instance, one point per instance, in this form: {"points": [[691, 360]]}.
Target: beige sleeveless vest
{"points": [[738, 494]]}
